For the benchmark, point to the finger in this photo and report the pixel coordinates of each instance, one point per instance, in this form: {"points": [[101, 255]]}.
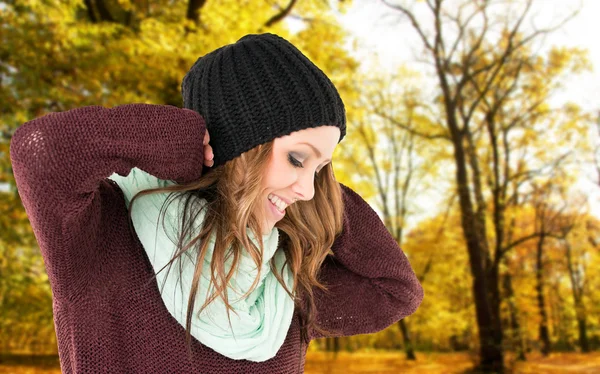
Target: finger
{"points": [[206, 138]]}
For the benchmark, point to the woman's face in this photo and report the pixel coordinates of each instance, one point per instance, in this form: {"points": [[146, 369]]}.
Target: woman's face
{"points": [[291, 169]]}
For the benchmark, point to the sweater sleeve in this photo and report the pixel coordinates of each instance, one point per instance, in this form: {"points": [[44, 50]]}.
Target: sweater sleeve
{"points": [[371, 282], [61, 160]]}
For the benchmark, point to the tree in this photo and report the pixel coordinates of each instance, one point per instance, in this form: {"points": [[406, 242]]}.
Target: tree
{"points": [[548, 219], [493, 100]]}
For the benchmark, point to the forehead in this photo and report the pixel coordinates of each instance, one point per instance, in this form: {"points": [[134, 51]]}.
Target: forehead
{"points": [[324, 138]]}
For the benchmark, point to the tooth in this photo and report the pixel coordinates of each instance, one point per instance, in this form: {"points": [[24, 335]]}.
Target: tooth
{"points": [[274, 201], [278, 202]]}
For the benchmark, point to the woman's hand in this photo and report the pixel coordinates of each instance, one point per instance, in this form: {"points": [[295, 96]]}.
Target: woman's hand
{"points": [[208, 153]]}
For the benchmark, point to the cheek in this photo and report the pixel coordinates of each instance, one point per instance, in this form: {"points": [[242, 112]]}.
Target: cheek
{"points": [[279, 175]]}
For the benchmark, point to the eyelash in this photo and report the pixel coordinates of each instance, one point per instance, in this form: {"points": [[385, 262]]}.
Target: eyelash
{"points": [[297, 163]]}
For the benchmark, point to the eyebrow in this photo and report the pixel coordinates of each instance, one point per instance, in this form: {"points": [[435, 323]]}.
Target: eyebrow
{"points": [[317, 152]]}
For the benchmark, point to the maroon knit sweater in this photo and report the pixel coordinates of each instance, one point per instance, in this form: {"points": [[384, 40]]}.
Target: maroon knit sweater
{"points": [[108, 317]]}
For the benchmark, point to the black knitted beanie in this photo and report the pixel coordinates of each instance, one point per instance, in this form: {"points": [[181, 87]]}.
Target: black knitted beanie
{"points": [[257, 89]]}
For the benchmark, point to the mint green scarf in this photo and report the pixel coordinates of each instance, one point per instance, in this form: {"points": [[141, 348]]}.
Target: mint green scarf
{"points": [[260, 321]]}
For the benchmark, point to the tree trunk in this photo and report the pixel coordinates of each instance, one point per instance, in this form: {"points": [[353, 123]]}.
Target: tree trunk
{"points": [[491, 354], [517, 338], [575, 275], [539, 288], [408, 346], [583, 340]]}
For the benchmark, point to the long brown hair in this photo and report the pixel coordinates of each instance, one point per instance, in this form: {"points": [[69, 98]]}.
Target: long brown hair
{"points": [[232, 192]]}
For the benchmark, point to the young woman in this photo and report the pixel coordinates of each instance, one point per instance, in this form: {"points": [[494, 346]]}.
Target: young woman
{"points": [[235, 197]]}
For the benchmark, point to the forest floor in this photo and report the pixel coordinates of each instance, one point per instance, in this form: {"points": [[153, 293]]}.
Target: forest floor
{"points": [[446, 363], [377, 362]]}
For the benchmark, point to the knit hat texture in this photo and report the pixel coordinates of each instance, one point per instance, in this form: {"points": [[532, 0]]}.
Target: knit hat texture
{"points": [[257, 89]]}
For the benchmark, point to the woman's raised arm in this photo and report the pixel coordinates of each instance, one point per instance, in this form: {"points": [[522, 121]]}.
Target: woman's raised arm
{"points": [[372, 284], [61, 159]]}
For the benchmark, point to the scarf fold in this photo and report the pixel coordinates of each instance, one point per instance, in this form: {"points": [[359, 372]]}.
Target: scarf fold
{"points": [[259, 322]]}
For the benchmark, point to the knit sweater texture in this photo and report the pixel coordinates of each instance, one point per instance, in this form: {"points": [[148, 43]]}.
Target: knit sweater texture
{"points": [[109, 316]]}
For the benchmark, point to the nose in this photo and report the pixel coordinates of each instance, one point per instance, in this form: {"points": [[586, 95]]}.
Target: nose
{"points": [[304, 188]]}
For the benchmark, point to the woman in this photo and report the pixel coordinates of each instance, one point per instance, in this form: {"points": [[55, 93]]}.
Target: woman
{"points": [[96, 183]]}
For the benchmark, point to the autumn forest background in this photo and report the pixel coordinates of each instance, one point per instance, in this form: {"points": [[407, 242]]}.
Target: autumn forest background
{"points": [[508, 251]]}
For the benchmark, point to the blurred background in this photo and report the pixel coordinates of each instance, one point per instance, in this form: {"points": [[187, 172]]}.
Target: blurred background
{"points": [[473, 130]]}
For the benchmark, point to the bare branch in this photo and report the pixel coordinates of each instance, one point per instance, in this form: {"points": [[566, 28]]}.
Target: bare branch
{"points": [[525, 238], [193, 10], [103, 11], [468, 60], [439, 40], [462, 26], [413, 21], [90, 10], [384, 115], [281, 15]]}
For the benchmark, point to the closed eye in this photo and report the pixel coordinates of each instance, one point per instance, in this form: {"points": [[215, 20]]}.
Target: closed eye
{"points": [[294, 162], [297, 163]]}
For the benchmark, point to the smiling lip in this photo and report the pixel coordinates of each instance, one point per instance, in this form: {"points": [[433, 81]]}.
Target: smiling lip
{"points": [[275, 210]]}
